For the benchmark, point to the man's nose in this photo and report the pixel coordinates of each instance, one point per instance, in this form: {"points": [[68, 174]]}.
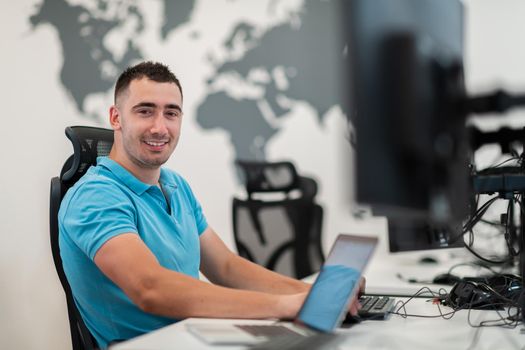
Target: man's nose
{"points": [[159, 125]]}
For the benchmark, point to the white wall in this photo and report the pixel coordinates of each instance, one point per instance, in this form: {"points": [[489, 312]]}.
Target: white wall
{"points": [[36, 108]]}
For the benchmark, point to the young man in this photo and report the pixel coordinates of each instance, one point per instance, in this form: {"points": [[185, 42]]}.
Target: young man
{"points": [[133, 236]]}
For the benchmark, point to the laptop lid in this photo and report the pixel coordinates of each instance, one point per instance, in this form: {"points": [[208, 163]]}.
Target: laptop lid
{"points": [[338, 281]]}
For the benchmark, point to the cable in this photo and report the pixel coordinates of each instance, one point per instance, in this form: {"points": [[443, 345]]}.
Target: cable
{"points": [[504, 162], [477, 215], [510, 320], [495, 262], [509, 223], [400, 305], [503, 321], [475, 339], [468, 228], [493, 223]]}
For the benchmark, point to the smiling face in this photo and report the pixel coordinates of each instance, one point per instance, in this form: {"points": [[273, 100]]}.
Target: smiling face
{"points": [[147, 121]]}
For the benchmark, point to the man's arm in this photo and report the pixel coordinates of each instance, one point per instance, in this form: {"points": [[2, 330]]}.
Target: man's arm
{"points": [[221, 266], [128, 262]]}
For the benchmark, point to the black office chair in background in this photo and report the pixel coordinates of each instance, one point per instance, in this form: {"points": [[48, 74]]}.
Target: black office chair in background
{"points": [[88, 144], [283, 232]]}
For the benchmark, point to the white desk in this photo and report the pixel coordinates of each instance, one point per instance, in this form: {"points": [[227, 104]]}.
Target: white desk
{"points": [[395, 333]]}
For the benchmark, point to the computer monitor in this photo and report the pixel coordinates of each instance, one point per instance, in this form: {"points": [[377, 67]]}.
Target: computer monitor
{"points": [[411, 235], [407, 88]]}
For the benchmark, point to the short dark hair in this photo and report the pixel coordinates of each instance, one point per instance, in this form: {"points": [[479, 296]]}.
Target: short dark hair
{"points": [[152, 70]]}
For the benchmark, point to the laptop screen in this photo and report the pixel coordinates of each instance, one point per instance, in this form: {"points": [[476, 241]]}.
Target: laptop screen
{"points": [[337, 282]]}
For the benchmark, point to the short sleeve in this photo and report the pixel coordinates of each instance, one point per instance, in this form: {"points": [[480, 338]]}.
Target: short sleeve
{"points": [[202, 224], [94, 213], [196, 208]]}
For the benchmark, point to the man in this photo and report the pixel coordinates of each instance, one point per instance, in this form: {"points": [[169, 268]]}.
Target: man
{"points": [[133, 236]]}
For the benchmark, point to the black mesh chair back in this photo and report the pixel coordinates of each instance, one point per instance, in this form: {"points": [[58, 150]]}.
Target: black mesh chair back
{"points": [[88, 144], [281, 231]]}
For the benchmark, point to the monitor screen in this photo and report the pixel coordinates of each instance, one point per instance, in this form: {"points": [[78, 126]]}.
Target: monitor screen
{"points": [[408, 235], [406, 83]]}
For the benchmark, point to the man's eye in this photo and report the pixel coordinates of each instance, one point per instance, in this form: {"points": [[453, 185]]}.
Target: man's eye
{"points": [[144, 112], [172, 114]]}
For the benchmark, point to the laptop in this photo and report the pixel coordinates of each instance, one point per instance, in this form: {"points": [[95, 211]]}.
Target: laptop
{"points": [[323, 310]]}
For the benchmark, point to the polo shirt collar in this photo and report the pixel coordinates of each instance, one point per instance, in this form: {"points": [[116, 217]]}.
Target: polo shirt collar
{"points": [[167, 179], [123, 175]]}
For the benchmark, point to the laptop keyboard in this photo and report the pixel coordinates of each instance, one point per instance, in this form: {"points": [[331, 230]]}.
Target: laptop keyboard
{"points": [[375, 307], [268, 330], [299, 342], [281, 337]]}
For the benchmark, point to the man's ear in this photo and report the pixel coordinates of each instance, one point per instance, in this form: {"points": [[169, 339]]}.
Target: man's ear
{"points": [[114, 117]]}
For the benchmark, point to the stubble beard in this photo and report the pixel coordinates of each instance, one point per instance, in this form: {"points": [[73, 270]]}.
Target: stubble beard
{"points": [[142, 161]]}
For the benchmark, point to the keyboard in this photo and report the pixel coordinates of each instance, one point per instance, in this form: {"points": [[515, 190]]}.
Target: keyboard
{"points": [[375, 307], [266, 330], [281, 337], [300, 342]]}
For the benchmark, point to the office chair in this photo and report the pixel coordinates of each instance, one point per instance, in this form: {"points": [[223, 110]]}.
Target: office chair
{"points": [[88, 144], [282, 231]]}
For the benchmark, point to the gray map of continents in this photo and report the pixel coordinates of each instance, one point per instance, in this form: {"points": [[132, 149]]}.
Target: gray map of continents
{"points": [[88, 65], [307, 52], [311, 55]]}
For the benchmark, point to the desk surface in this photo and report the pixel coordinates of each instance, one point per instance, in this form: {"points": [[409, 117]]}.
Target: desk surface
{"points": [[394, 333]]}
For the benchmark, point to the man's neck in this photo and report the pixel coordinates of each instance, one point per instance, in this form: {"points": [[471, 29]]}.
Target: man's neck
{"points": [[149, 176]]}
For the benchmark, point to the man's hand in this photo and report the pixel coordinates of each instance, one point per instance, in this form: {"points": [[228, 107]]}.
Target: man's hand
{"points": [[362, 286], [355, 306]]}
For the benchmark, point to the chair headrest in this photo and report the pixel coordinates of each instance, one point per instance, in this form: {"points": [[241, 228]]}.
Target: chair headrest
{"points": [[88, 144], [274, 177], [268, 177]]}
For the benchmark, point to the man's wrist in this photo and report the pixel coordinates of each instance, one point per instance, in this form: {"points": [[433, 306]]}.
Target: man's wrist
{"points": [[288, 305]]}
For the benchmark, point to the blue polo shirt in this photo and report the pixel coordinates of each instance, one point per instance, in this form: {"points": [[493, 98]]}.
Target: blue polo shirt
{"points": [[108, 201]]}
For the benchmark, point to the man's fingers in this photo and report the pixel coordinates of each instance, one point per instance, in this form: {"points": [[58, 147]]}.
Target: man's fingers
{"points": [[362, 284], [355, 306]]}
